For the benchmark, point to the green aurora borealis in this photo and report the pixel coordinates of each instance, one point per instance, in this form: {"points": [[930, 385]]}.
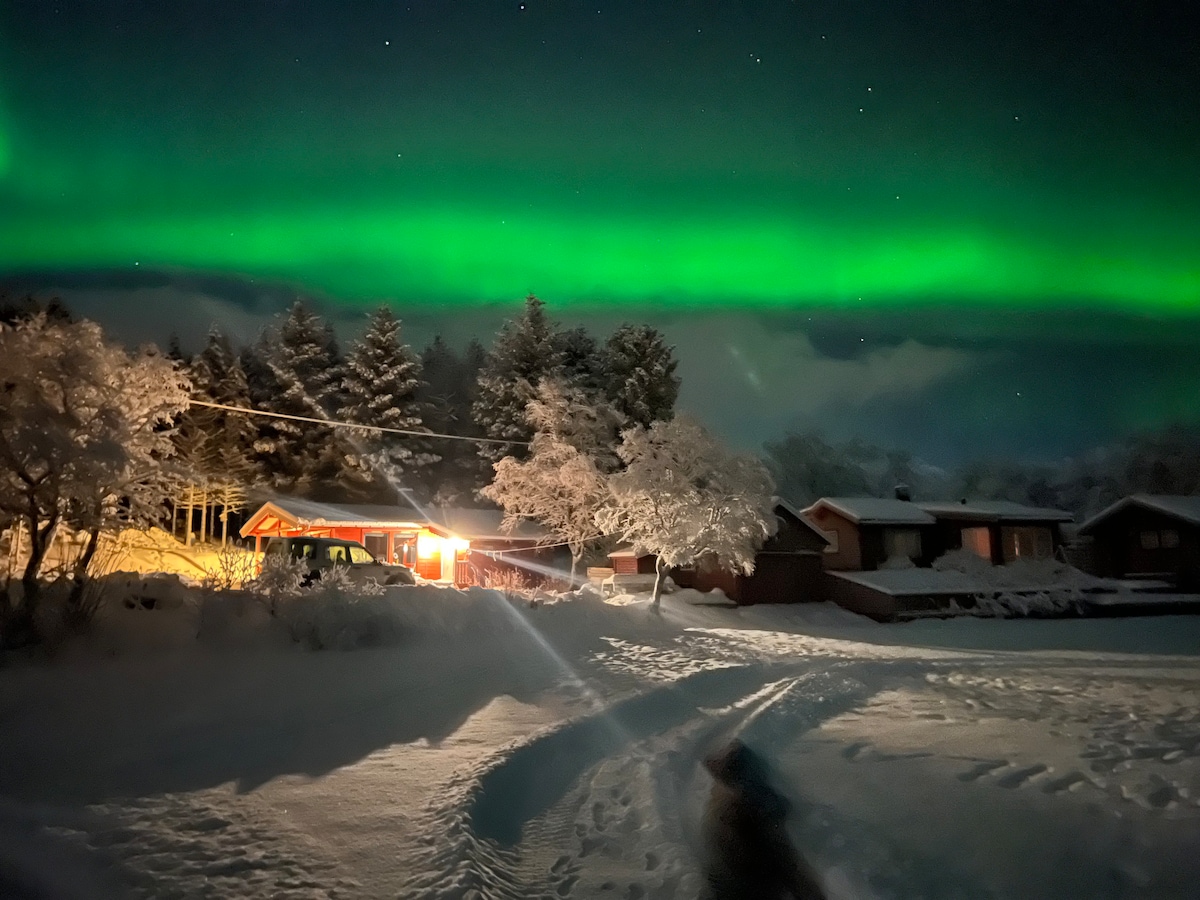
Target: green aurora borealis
{"points": [[472, 157]]}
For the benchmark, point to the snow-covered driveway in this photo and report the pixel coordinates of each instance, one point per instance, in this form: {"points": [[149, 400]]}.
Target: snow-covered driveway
{"points": [[940, 760]]}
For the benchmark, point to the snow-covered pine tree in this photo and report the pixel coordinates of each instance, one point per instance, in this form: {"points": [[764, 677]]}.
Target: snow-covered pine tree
{"points": [[639, 374], [272, 436], [447, 393], [295, 375], [306, 358], [380, 386], [524, 352], [580, 361], [689, 501]]}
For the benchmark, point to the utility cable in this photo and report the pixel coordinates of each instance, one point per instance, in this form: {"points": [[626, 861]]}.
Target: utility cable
{"points": [[333, 423]]}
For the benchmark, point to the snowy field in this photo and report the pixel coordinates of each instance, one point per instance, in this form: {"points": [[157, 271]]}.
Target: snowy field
{"points": [[485, 749]]}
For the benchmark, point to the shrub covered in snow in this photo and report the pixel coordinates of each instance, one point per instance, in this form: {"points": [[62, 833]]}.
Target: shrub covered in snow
{"points": [[1024, 587], [232, 569], [281, 577]]}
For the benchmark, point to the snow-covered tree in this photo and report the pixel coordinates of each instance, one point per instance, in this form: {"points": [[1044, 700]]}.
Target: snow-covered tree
{"points": [[380, 387], [447, 394], [13, 311], [579, 360], [274, 462], [299, 375], [84, 427], [525, 352], [214, 447], [688, 500], [638, 371], [808, 467], [306, 357], [562, 484]]}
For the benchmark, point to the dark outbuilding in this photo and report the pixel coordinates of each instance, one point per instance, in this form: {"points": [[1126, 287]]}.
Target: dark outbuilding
{"points": [[1148, 536]]}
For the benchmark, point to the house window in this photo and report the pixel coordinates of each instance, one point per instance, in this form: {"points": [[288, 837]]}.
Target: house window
{"points": [[978, 541], [901, 542], [377, 544], [1027, 542], [1167, 539]]}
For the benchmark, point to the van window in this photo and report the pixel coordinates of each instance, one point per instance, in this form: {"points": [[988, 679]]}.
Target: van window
{"points": [[304, 550], [275, 548], [337, 554], [359, 556]]}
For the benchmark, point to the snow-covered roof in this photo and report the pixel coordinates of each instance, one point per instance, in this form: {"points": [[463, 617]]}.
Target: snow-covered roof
{"points": [[309, 512], [799, 516], [916, 582], [471, 524], [1184, 508], [874, 510], [996, 511], [934, 582]]}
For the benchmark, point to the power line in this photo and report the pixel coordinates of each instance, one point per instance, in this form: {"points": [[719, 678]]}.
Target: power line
{"points": [[335, 424]]}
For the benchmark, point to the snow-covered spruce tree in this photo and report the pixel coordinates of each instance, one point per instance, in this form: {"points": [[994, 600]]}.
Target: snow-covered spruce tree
{"points": [[84, 427], [306, 357], [380, 386], [301, 378], [685, 498], [563, 482], [525, 352], [580, 361], [275, 465], [638, 373], [448, 390]]}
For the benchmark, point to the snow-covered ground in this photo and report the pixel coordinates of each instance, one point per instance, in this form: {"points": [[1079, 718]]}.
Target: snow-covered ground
{"points": [[487, 749]]}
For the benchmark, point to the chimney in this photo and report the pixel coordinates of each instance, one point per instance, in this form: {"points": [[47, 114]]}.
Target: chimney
{"points": [[903, 493]]}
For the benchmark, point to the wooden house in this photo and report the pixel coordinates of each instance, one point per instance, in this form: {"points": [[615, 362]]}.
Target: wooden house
{"points": [[1148, 536], [865, 533], [997, 530], [449, 545]]}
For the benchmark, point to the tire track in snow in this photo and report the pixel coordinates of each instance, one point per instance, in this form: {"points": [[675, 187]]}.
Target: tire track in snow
{"points": [[484, 810]]}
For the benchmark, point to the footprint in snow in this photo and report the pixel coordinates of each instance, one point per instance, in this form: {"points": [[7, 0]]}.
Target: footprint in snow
{"points": [[856, 750], [984, 768], [1022, 777], [1072, 781]]}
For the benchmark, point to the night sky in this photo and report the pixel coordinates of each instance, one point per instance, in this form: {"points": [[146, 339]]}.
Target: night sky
{"points": [[964, 227]]}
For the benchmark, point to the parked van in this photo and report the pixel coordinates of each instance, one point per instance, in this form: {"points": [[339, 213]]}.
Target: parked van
{"points": [[320, 554]]}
